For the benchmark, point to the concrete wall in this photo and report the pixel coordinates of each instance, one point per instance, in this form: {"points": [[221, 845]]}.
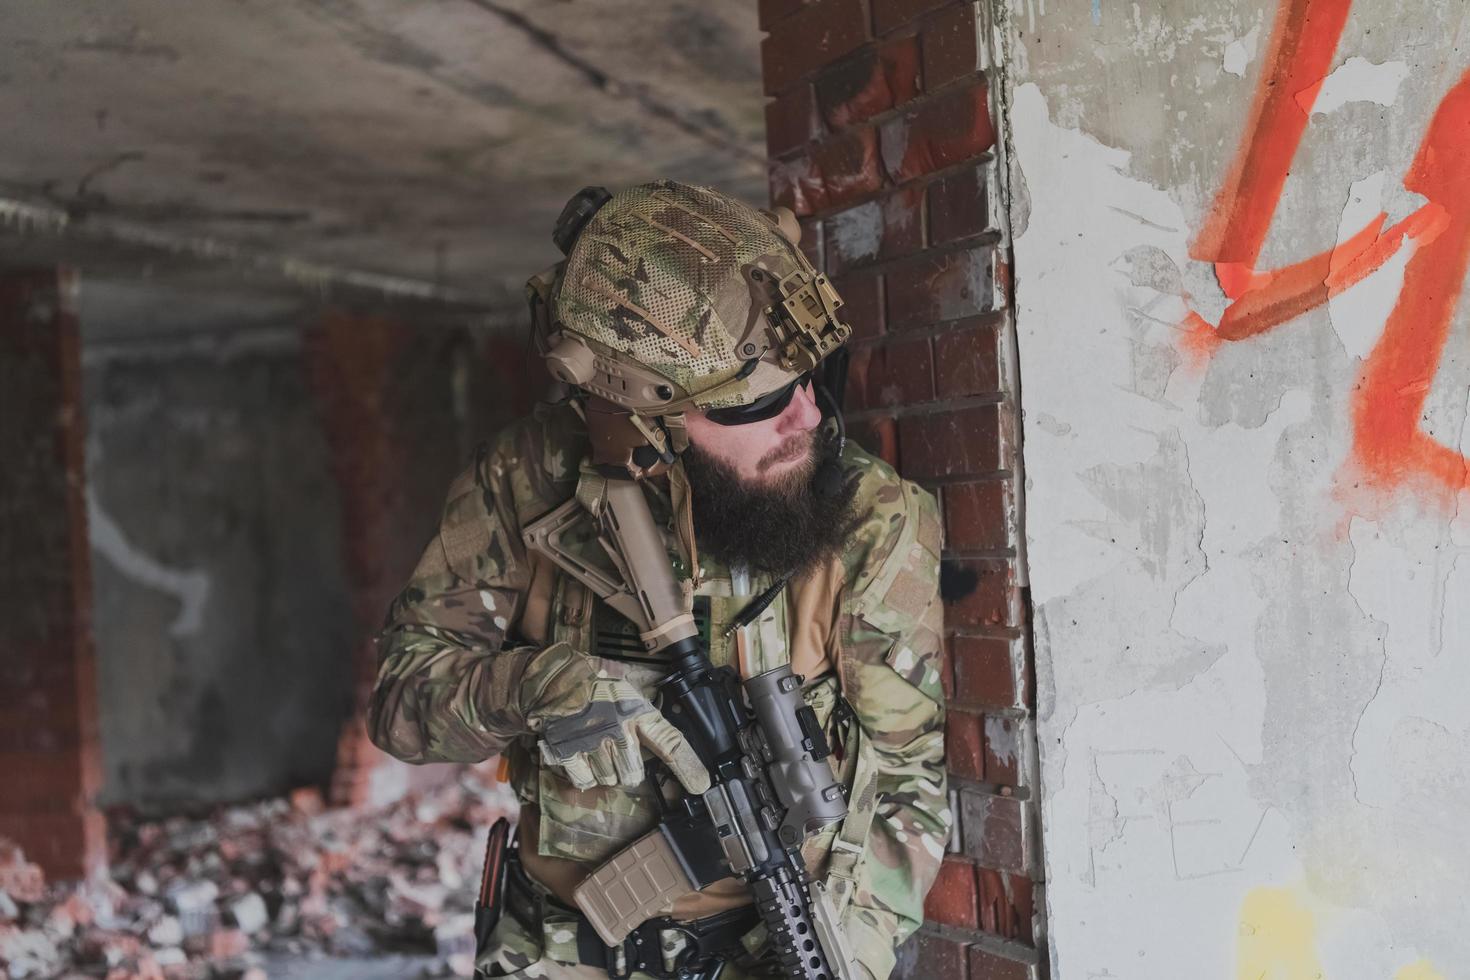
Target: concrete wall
{"points": [[1241, 234], [224, 504], [222, 620]]}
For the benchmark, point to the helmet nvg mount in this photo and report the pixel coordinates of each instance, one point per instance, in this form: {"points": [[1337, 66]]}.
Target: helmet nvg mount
{"points": [[675, 297]]}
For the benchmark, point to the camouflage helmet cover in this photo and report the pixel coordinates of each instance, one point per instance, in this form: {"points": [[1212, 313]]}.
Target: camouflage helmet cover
{"points": [[676, 296]]}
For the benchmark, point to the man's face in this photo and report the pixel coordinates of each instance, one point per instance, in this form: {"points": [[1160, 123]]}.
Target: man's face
{"points": [[767, 453], [754, 490]]}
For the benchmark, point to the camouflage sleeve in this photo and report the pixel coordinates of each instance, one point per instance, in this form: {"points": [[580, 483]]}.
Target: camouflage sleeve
{"points": [[447, 688], [892, 681]]}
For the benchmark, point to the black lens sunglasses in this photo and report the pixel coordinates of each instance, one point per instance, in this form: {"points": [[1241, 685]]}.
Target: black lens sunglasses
{"points": [[765, 407]]}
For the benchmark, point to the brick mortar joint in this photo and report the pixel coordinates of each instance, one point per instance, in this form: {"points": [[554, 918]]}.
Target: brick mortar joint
{"points": [[984, 241], [891, 34], [979, 476], [987, 562], [975, 864], [971, 786], [989, 320], [989, 941], [923, 18], [1010, 633], [978, 554], [1008, 712], [887, 188], [913, 25], [989, 238], [933, 407], [878, 119]]}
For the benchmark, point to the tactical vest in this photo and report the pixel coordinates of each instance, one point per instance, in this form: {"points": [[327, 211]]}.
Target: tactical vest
{"points": [[799, 627]]}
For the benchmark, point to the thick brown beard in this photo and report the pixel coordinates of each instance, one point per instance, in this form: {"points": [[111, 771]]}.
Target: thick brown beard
{"points": [[778, 528], [803, 447]]}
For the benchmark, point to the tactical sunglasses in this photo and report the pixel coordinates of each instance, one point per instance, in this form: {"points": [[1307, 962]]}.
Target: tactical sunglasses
{"points": [[765, 407]]}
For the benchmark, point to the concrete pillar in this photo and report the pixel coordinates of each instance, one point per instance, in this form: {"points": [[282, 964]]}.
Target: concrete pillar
{"points": [[50, 758]]}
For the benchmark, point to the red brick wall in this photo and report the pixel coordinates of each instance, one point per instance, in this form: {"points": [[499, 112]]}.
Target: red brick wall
{"points": [[50, 762], [882, 139], [402, 405], [352, 363]]}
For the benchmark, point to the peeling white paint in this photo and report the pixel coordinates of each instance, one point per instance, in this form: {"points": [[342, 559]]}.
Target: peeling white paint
{"points": [[893, 140], [1106, 565], [1358, 313], [1446, 414], [858, 232], [1357, 80], [1002, 737], [1237, 687], [1240, 53], [189, 587]]}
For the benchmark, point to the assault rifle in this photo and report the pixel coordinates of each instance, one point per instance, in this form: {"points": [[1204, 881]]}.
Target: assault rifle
{"points": [[771, 786]]}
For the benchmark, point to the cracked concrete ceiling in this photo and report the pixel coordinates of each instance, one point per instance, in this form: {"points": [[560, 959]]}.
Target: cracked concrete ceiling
{"points": [[418, 148]]}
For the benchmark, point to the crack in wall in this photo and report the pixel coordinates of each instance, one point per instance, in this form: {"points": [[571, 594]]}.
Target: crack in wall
{"points": [[1353, 739], [716, 133], [1254, 833]]}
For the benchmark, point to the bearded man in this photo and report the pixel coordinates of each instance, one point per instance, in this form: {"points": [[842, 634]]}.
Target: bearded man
{"points": [[700, 323]]}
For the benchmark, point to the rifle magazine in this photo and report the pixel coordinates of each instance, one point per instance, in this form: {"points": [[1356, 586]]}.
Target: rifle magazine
{"points": [[639, 882]]}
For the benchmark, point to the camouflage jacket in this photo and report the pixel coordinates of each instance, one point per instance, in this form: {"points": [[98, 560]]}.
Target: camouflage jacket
{"points": [[867, 627]]}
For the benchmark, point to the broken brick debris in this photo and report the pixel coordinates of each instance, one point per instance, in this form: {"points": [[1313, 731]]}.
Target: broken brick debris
{"points": [[208, 899]]}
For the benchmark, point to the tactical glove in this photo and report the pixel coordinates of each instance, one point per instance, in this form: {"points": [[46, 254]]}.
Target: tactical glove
{"points": [[596, 727]]}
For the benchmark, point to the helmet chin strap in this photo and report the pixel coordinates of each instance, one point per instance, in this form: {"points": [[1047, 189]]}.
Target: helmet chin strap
{"points": [[674, 428], [680, 495], [683, 508], [828, 479]]}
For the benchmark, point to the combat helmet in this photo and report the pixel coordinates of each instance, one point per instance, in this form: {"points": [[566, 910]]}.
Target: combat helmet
{"points": [[673, 297]]}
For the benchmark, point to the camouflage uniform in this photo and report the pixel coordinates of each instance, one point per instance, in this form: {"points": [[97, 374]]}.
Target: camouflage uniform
{"points": [[475, 640], [459, 637]]}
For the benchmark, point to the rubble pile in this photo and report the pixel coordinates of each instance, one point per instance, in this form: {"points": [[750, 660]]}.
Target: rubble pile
{"points": [[204, 899]]}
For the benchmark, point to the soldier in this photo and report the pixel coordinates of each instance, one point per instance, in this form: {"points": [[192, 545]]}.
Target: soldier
{"points": [[683, 305]]}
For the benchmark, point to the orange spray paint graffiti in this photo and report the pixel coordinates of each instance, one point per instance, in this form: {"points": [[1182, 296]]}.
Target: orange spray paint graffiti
{"points": [[1389, 446]]}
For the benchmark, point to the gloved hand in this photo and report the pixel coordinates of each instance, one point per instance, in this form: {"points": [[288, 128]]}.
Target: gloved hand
{"points": [[595, 727]]}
